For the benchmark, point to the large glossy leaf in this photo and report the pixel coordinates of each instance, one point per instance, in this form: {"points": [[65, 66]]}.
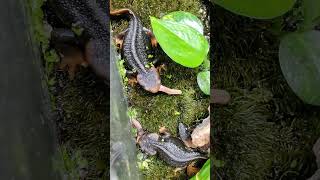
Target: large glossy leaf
{"points": [[203, 79], [185, 18], [311, 11], [180, 42], [204, 173], [299, 56], [261, 9]]}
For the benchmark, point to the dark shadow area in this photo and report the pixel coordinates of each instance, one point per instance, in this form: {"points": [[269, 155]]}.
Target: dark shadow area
{"points": [[26, 129]]}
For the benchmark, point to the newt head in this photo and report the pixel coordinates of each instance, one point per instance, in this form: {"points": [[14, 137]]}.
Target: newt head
{"points": [[150, 81], [140, 132]]}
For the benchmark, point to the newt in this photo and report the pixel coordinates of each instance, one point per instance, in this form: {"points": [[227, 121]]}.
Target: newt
{"points": [[134, 51], [171, 149], [92, 16]]}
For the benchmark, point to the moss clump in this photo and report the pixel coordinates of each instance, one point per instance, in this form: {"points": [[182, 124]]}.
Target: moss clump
{"points": [[70, 164], [146, 8], [150, 168], [156, 110], [83, 125], [37, 21], [246, 121], [40, 37], [41, 33], [122, 71]]}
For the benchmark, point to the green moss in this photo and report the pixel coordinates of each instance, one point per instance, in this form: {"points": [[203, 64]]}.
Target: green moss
{"points": [[158, 169], [69, 164], [40, 32], [146, 8], [37, 20], [132, 113], [122, 71], [83, 126], [247, 122], [156, 110], [41, 35]]}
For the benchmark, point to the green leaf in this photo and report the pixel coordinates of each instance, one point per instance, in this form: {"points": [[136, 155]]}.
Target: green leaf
{"points": [[299, 56], [311, 11], [205, 65], [204, 173], [180, 42], [203, 79], [186, 19], [260, 9]]}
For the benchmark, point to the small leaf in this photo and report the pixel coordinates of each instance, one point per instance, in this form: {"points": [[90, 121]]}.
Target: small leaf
{"points": [[169, 76], [299, 56], [177, 113], [260, 9], [186, 19], [145, 165], [132, 113], [180, 42], [51, 81], [140, 156], [204, 173], [205, 65], [203, 79]]}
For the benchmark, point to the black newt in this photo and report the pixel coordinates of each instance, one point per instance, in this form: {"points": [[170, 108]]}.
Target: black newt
{"points": [[92, 16]]}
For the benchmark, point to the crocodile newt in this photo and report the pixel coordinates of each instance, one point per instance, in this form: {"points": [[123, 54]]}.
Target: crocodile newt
{"points": [[171, 149], [92, 16], [134, 51]]}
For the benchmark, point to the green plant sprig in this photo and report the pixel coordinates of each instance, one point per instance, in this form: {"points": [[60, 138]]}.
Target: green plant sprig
{"points": [[180, 35]]}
